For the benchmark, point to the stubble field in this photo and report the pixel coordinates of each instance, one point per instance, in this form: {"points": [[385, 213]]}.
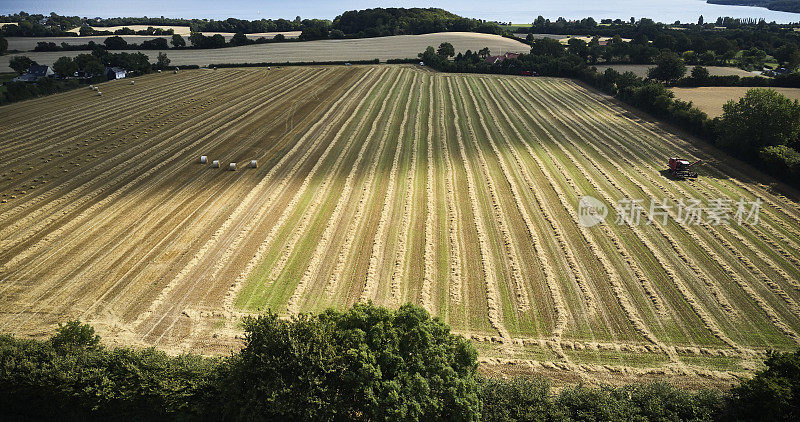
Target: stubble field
{"points": [[455, 192]]}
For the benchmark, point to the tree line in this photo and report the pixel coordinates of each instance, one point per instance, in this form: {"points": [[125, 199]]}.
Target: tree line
{"points": [[726, 42], [367, 363]]}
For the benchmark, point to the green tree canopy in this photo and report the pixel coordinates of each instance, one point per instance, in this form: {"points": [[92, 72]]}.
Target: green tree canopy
{"points": [[115, 43], [773, 394], [367, 363], [65, 66], [763, 117], [700, 73], [669, 67], [547, 47], [178, 41], [89, 63], [446, 50], [163, 60], [21, 64]]}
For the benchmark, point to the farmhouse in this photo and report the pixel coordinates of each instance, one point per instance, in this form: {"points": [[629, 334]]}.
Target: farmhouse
{"points": [[115, 73], [497, 59], [35, 73]]}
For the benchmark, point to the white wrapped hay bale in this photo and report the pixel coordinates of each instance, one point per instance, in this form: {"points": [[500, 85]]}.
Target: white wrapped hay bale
{"points": [[215, 164], [253, 163], [203, 159], [232, 166]]}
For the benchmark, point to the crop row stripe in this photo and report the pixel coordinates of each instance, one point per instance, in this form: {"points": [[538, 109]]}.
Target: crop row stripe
{"points": [[376, 259], [366, 190], [360, 86], [493, 300], [400, 259]]}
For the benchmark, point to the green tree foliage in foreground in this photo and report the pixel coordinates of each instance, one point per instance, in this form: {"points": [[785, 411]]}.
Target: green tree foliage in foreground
{"points": [[367, 363], [772, 395]]}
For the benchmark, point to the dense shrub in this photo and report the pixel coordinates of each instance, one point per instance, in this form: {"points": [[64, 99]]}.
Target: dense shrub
{"points": [[782, 161], [772, 395], [368, 363]]}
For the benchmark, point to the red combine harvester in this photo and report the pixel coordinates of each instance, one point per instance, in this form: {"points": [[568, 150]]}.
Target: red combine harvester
{"points": [[679, 168]]}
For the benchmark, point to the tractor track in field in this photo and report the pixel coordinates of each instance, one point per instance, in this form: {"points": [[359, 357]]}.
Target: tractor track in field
{"points": [[429, 275], [335, 279], [151, 167], [453, 215], [741, 257], [322, 247], [44, 210], [620, 292]]}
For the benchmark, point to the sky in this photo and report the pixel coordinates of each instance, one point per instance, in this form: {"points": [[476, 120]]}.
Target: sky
{"points": [[516, 11]]}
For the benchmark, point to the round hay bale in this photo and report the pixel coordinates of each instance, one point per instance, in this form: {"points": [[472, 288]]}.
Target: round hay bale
{"points": [[203, 159], [215, 164], [253, 163], [99, 93], [133, 82], [175, 71], [159, 70], [232, 166]]}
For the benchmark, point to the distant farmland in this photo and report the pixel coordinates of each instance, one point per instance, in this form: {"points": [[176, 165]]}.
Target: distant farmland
{"points": [[383, 48], [711, 99], [455, 192]]}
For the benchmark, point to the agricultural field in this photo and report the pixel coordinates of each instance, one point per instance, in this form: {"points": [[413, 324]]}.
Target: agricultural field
{"points": [[641, 70], [29, 43], [711, 99], [383, 48], [388, 184]]}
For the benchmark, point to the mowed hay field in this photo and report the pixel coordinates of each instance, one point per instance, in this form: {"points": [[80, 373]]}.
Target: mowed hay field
{"points": [[711, 99], [385, 183]]}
